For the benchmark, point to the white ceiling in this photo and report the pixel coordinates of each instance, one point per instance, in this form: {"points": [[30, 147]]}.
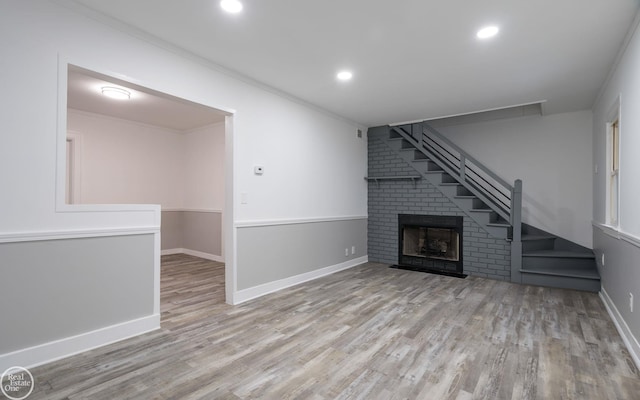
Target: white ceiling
{"points": [[147, 106], [411, 59]]}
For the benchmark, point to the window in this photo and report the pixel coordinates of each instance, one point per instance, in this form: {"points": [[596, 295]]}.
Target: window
{"points": [[613, 167]]}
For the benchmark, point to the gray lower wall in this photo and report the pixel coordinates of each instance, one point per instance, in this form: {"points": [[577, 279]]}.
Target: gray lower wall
{"points": [[194, 230], [620, 275], [60, 288], [202, 231], [281, 251], [483, 255]]}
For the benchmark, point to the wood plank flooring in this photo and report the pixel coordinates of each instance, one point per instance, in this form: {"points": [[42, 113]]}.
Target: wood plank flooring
{"points": [[370, 332]]}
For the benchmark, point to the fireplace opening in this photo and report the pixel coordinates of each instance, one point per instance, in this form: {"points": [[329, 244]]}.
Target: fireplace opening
{"points": [[430, 243], [438, 243]]}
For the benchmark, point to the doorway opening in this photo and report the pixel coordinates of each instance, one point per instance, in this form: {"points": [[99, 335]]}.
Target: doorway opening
{"points": [[148, 147]]}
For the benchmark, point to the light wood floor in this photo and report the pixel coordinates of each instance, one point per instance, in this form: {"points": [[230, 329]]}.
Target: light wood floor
{"points": [[370, 332]]}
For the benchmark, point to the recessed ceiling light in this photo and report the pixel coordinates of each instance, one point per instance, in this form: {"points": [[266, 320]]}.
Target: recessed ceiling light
{"points": [[344, 75], [116, 93], [231, 6], [487, 32]]}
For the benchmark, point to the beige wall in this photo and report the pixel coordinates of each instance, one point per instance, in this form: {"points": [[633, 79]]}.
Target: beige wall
{"points": [[198, 231], [126, 162]]}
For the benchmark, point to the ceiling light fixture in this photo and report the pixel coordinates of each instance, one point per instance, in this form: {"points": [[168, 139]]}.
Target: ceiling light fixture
{"points": [[116, 93], [344, 75], [231, 6], [487, 32]]}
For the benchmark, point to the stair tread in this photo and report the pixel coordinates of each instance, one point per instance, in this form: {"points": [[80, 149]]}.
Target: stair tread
{"points": [[559, 254], [466, 196], [498, 224], [449, 184], [583, 273], [482, 210]]}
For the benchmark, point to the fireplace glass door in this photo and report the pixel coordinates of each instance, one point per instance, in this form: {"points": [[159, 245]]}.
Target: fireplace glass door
{"points": [[436, 243]]}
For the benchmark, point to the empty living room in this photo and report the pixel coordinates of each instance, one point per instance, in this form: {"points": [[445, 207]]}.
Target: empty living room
{"points": [[241, 199]]}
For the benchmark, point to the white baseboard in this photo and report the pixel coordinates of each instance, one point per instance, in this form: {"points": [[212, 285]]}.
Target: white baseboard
{"points": [[169, 252], [257, 291], [194, 253], [623, 329], [52, 351]]}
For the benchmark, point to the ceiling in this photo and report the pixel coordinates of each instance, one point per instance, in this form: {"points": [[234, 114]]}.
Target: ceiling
{"points": [[84, 92], [411, 59]]}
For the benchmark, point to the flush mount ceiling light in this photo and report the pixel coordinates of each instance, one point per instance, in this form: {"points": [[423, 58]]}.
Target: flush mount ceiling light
{"points": [[231, 6], [487, 32], [344, 75], [116, 93]]}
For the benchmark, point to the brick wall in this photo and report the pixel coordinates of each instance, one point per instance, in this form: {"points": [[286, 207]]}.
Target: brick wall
{"points": [[483, 255]]}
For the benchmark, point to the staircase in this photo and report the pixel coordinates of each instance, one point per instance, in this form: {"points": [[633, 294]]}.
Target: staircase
{"points": [[548, 260], [537, 257]]}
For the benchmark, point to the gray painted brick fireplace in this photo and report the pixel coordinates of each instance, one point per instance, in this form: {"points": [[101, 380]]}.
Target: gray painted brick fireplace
{"points": [[483, 255]]}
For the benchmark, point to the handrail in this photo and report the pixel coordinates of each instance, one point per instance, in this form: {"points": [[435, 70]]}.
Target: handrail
{"points": [[468, 157], [504, 198]]}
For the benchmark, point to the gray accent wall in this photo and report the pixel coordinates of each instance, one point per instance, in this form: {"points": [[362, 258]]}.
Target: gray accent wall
{"points": [[620, 98], [56, 289], [277, 252], [193, 230], [620, 274], [483, 255]]}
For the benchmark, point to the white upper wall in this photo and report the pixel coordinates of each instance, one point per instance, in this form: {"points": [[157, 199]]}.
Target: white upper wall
{"points": [[624, 84], [552, 156], [314, 164]]}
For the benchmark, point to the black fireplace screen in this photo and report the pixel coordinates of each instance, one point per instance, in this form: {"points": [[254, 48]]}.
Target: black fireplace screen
{"points": [[430, 242], [439, 243]]}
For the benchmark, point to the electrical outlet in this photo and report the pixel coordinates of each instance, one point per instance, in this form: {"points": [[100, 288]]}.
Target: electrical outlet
{"points": [[346, 252], [353, 249], [631, 302]]}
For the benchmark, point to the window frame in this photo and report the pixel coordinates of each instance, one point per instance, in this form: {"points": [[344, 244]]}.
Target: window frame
{"points": [[613, 140]]}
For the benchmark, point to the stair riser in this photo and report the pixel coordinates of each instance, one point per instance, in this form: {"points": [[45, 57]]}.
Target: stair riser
{"points": [[418, 155], [449, 191], [395, 144], [483, 217], [479, 204], [562, 282], [533, 245], [465, 204], [550, 262], [405, 144], [497, 232], [446, 178], [431, 166]]}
